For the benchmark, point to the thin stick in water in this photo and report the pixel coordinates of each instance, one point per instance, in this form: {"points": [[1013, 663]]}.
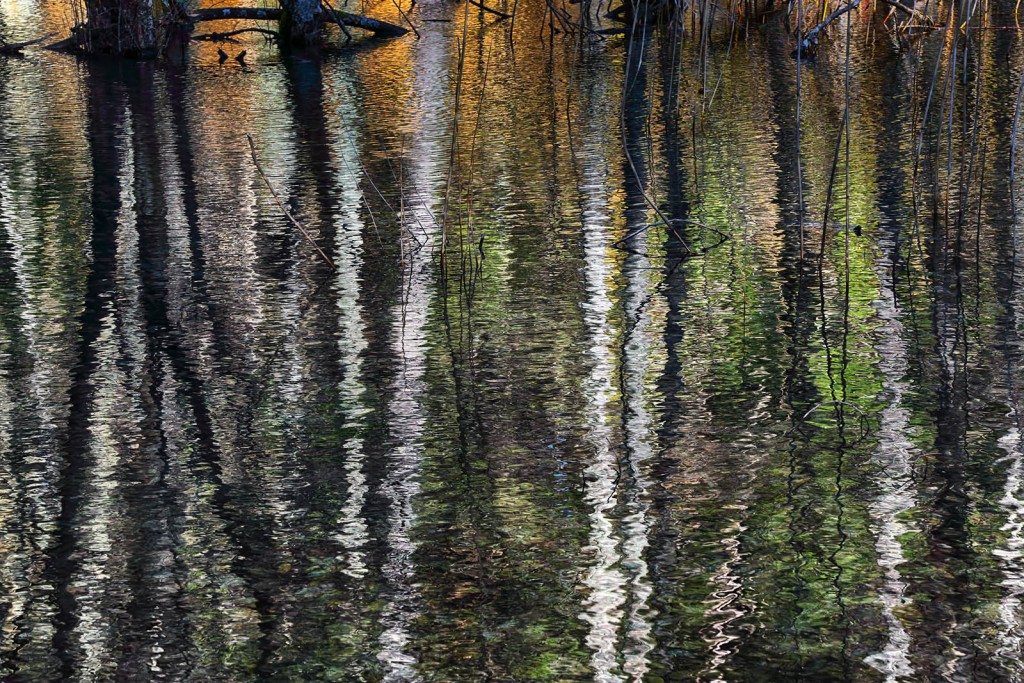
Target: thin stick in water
{"points": [[309, 238]]}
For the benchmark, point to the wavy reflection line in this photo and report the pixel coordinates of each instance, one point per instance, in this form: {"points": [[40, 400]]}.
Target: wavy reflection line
{"points": [[606, 582], [637, 425], [28, 505], [895, 456], [405, 412], [1011, 634], [100, 522], [353, 534]]}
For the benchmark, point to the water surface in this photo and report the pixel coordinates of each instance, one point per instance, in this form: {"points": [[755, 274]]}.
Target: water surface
{"points": [[562, 447]]}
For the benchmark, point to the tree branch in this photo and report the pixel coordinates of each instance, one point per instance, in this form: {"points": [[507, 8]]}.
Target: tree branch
{"points": [[477, 3], [256, 161], [909, 10], [811, 37], [375, 26]]}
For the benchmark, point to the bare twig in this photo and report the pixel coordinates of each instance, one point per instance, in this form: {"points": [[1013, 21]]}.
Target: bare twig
{"points": [[309, 238], [477, 3], [332, 16]]}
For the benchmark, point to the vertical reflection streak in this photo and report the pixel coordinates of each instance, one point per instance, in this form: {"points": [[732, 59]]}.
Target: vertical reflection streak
{"points": [[604, 604], [636, 359], [895, 456], [99, 521], [1011, 635], [405, 413], [353, 534]]}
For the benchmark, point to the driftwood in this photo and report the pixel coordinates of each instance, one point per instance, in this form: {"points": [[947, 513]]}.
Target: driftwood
{"points": [[16, 48], [375, 26], [256, 161], [810, 39]]}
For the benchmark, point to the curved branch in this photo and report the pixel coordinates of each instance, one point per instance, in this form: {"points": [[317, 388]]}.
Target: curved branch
{"points": [[375, 26]]}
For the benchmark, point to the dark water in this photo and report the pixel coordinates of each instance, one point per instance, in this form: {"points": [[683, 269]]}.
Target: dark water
{"points": [[551, 453]]}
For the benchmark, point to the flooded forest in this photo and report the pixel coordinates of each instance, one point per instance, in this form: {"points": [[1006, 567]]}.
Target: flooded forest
{"points": [[511, 340]]}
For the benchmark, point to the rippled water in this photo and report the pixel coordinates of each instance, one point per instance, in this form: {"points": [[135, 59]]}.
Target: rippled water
{"points": [[559, 448]]}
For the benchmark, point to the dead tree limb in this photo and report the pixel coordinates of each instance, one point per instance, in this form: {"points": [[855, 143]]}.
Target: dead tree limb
{"points": [[810, 39], [16, 48], [375, 26], [406, 17], [256, 161]]}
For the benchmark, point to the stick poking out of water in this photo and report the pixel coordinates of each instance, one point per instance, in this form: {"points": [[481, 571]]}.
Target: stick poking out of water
{"points": [[327, 260]]}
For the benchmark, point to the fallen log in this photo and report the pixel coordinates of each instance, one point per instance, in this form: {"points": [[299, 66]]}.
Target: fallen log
{"points": [[375, 26], [16, 48]]}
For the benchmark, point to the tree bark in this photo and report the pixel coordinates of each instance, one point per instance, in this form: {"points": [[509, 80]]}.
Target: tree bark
{"points": [[120, 27], [300, 21]]}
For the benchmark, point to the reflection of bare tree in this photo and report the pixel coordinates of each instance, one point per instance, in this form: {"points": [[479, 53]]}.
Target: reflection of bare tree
{"points": [[937, 647], [404, 411], [605, 580], [1011, 550], [353, 533], [894, 457], [38, 284], [64, 566]]}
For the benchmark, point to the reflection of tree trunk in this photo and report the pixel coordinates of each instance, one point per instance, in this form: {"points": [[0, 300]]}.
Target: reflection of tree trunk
{"points": [[105, 118], [663, 551], [151, 573], [895, 454], [950, 553]]}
